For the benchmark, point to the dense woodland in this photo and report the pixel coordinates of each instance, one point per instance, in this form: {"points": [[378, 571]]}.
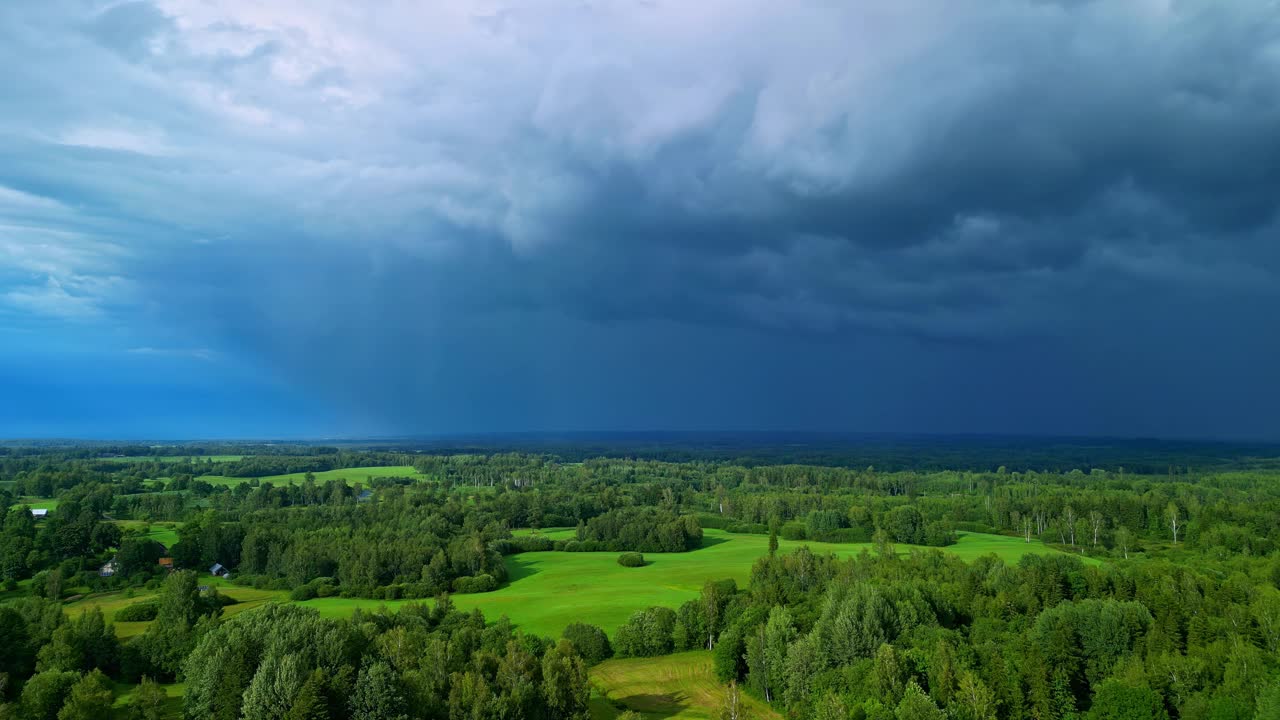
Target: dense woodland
{"points": [[1169, 609]]}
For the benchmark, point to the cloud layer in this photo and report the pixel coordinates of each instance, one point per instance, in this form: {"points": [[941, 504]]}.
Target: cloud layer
{"points": [[1009, 215]]}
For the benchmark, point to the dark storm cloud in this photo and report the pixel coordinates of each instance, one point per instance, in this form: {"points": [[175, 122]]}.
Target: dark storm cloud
{"points": [[865, 215]]}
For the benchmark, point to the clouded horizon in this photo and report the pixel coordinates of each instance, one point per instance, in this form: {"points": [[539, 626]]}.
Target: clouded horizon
{"points": [[310, 218]]}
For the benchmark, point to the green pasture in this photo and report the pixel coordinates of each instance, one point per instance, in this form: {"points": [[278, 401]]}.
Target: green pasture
{"points": [[110, 603], [165, 533], [173, 697], [549, 590], [566, 533], [36, 503], [675, 687], [175, 458], [351, 475]]}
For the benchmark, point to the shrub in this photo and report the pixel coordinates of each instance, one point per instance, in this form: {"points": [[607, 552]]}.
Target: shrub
{"points": [[631, 559], [590, 642], [475, 584], [793, 530], [646, 633], [303, 592], [138, 612]]}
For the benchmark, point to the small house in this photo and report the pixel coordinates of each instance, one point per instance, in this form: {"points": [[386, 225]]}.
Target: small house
{"points": [[166, 563], [364, 496], [108, 569], [218, 570], [40, 513]]}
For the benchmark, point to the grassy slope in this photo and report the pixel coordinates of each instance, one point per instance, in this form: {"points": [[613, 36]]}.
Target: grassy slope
{"points": [[164, 533], [680, 686], [360, 474], [549, 590], [36, 503], [176, 458], [112, 602]]}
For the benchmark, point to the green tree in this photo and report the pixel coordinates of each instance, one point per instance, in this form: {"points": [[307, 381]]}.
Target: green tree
{"points": [[564, 681], [732, 706], [888, 675], [1268, 706], [90, 696], [271, 692], [973, 700], [378, 694], [81, 644], [45, 693], [1116, 701], [591, 643], [148, 701], [916, 705]]}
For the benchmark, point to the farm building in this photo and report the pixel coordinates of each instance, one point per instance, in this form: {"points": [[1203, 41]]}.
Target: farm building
{"points": [[165, 562], [108, 569], [364, 496], [40, 513]]}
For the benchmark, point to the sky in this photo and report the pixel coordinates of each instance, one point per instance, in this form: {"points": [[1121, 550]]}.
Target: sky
{"points": [[223, 218]]}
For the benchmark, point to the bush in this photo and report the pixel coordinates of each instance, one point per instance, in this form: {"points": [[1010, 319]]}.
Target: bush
{"points": [[631, 559], [590, 642], [646, 633], [475, 584], [794, 530], [303, 592], [138, 612]]}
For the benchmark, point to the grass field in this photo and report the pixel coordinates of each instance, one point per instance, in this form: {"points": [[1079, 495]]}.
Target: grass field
{"points": [[164, 533], [173, 692], [679, 687], [351, 475], [175, 458], [36, 503], [549, 590], [110, 603]]}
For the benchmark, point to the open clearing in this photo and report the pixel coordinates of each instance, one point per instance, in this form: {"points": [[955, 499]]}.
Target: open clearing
{"points": [[164, 533], [175, 458], [36, 503], [351, 475], [110, 603], [549, 590], [680, 687]]}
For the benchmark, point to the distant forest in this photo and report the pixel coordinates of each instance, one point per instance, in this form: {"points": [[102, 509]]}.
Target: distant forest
{"points": [[1158, 595]]}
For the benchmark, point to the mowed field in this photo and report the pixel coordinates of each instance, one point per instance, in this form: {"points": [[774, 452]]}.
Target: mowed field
{"points": [[351, 475], [164, 533], [549, 590], [680, 687], [110, 603], [36, 503], [175, 458]]}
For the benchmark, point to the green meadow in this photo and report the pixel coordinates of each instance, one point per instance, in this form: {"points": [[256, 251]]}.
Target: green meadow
{"points": [[351, 475], [110, 603], [549, 590], [175, 458], [164, 533], [679, 687], [36, 503]]}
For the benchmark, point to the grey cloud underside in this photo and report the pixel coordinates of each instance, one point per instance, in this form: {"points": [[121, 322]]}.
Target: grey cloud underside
{"points": [[324, 188]]}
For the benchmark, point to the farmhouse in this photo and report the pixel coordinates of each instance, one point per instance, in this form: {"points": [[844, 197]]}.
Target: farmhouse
{"points": [[166, 563], [219, 570], [108, 569]]}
